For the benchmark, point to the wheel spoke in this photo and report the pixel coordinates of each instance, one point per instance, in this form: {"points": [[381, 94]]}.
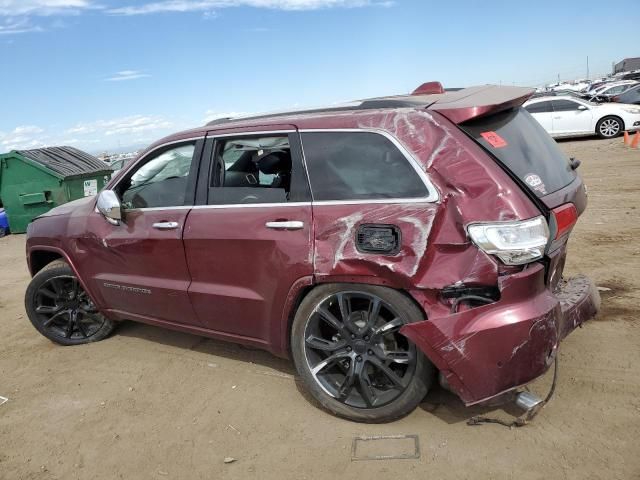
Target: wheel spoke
{"points": [[74, 287], [52, 318], [330, 319], [81, 328], [70, 324], [390, 326], [344, 302], [365, 387], [48, 293], [374, 312], [329, 361], [47, 310], [398, 356], [56, 287], [349, 381], [318, 343], [390, 374]]}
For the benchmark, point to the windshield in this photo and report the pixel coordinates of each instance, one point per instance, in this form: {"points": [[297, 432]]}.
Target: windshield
{"points": [[520, 143]]}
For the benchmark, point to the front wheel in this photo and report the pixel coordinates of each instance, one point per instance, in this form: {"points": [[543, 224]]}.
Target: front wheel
{"points": [[609, 127], [61, 310], [351, 357]]}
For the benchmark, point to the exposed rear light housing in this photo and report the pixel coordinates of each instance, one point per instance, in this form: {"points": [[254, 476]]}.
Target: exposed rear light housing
{"points": [[563, 219], [515, 243]]}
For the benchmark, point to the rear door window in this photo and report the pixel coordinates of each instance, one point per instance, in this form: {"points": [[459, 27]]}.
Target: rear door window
{"points": [[539, 107], [564, 105], [358, 166], [520, 143]]}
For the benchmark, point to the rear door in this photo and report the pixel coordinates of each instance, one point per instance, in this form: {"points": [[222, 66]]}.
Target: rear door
{"points": [[571, 117], [249, 241], [543, 113]]}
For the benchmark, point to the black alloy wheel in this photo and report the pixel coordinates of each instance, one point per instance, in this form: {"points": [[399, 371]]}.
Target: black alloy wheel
{"points": [[61, 310], [358, 364]]}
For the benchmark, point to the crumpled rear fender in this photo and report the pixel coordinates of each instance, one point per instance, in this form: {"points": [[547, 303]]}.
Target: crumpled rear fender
{"points": [[490, 349]]}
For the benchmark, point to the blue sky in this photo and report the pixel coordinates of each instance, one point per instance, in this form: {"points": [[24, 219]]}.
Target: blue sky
{"points": [[103, 74]]}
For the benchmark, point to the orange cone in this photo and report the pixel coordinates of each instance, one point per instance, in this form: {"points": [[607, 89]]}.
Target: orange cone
{"points": [[636, 140], [626, 137]]}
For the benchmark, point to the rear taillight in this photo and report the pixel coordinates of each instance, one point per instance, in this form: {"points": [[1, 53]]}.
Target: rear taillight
{"points": [[515, 243], [616, 98], [564, 218]]}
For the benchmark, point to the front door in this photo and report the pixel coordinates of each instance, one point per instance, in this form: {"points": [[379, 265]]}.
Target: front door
{"points": [[570, 117], [138, 268], [251, 240]]}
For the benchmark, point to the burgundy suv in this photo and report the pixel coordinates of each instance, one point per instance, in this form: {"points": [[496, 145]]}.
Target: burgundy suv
{"points": [[379, 244]]}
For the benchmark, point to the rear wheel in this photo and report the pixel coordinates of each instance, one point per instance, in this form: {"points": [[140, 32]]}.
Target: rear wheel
{"points": [[351, 357], [609, 127], [60, 309]]}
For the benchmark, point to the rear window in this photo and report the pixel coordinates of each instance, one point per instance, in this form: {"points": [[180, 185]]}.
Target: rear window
{"points": [[358, 166], [521, 144]]}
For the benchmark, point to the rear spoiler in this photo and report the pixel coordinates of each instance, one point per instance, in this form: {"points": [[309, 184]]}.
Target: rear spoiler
{"points": [[474, 102]]}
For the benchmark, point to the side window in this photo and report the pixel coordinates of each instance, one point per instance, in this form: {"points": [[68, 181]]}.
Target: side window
{"points": [[358, 166], [564, 105], [161, 181], [251, 170], [539, 107], [615, 90]]}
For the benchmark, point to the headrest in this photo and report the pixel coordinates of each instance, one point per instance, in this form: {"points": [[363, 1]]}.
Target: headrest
{"points": [[275, 162]]}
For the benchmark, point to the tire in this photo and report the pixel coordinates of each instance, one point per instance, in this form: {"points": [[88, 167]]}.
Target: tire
{"points": [[609, 127], [360, 369], [59, 308]]}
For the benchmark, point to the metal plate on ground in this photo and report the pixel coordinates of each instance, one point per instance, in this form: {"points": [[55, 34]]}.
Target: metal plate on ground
{"points": [[391, 447], [3, 400]]}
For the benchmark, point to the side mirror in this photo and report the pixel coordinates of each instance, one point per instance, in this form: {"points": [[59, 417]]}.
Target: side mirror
{"points": [[109, 206], [582, 107]]}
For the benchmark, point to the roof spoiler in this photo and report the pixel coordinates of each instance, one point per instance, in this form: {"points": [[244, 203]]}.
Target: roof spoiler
{"points": [[479, 101], [428, 88]]}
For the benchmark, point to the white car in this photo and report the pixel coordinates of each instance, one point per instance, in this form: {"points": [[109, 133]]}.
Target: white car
{"points": [[611, 88], [567, 116]]}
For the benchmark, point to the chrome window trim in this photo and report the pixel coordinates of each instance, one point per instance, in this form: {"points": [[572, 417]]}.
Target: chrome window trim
{"points": [[253, 205], [432, 197], [213, 135]]}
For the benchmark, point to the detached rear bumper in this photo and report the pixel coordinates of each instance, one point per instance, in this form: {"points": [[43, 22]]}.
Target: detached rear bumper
{"points": [[488, 350]]}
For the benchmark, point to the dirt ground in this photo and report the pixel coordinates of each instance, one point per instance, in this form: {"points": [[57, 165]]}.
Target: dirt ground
{"points": [[149, 403]]}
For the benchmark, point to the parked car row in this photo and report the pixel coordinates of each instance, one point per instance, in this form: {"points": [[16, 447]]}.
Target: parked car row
{"points": [[568, 116]]}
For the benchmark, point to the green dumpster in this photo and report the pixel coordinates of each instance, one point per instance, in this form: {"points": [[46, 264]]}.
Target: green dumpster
{"points": [[32, 182]]}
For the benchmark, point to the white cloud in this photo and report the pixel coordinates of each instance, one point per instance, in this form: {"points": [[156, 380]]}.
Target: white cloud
{"points": [[130, 125], [13, 8], [207, 5], [23, 137], [124, 75], [12, 27]]}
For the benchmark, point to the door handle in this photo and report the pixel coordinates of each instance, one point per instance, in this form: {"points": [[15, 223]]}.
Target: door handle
{"points": [[285, 225], [165, 225]]}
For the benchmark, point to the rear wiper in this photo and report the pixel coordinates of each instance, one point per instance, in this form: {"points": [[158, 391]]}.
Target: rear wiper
{"points": [[574, 163]]}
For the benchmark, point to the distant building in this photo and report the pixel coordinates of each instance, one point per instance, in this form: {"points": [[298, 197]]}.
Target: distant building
{"points": [[627, 65]]}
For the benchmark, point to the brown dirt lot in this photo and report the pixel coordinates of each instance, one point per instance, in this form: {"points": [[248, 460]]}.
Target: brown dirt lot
{"points": [[149, 403]]}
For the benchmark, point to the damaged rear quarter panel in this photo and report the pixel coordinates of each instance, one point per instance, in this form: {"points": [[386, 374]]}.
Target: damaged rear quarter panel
{"points": [[435, 250], [481, 351]]}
